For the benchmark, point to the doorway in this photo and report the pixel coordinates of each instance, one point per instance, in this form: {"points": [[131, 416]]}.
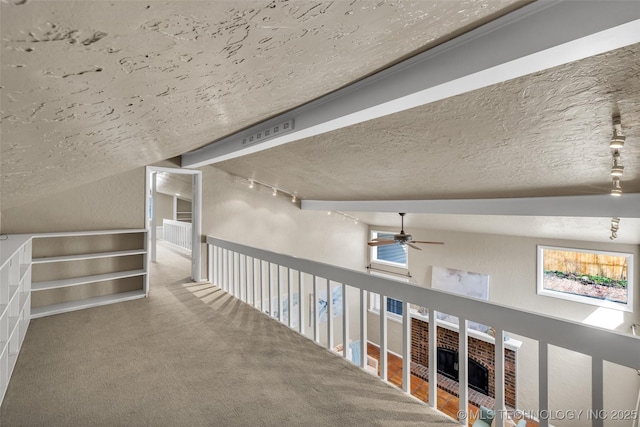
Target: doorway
{"points": [[186, 236]]}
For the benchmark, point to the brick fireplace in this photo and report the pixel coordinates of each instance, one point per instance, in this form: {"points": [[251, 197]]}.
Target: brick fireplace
{"points": [[481, 353]]}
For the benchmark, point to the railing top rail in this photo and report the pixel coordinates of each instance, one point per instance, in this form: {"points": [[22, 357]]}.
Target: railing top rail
{"points": [[613, 346], [178, 223]]}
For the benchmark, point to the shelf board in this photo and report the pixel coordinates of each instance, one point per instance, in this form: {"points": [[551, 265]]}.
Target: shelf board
{"points": [[13, 358], [13, 291], [13, 322], [75, 281], [90, 233], [23, 270], [64, 307], [88, 256], [24, 297]]}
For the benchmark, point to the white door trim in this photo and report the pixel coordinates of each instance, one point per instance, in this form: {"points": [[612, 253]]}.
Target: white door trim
{"points": [[196, 252]]}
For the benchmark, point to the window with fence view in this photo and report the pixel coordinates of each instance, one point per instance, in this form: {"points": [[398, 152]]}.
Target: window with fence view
{"points": [[592, 277]]}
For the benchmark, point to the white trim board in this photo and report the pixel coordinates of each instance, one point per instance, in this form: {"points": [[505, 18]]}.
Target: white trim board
{"points": [[601, 205]]}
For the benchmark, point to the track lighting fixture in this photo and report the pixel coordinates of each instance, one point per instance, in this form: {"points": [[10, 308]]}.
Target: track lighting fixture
{"points": [[617, 141], [615, 226], [617, 169], [343, 216], [274, 190], [616, 190]]}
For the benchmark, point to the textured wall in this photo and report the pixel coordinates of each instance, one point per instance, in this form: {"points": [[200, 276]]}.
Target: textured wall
{"points": [[111, 203], [164, 207]]}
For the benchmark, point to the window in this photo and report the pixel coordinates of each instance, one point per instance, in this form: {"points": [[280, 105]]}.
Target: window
{"points": [[395, 255], [591, 277], [394, 306]]}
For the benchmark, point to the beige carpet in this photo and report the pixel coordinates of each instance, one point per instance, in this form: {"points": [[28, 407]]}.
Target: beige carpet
{"points": [[174, 360]]}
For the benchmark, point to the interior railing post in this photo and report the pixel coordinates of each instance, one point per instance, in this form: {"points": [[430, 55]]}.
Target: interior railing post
{"points": [[383, 337], [499, 377], [253, 282], [279, 290], [543, 383], [270, 308], [210, 263], [289, 299], [238, 285], [433, 358], [363, 329], [246, 280], [220, 261], [301, 307], [316, 314], [406, 347], [463, 371], [597, 389], [345, 323], [241, 291], [227, 270], [329, 316], [261, 279]]}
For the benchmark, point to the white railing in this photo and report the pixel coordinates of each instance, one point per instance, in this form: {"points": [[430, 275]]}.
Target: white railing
{"points": [[177, 232], [252, 274]]}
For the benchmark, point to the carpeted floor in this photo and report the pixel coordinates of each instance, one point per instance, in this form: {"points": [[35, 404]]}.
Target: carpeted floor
{"points": [[174, 360]]}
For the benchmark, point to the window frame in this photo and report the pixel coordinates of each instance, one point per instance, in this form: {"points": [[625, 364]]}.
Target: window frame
{"points": [[373, 252], [584, 299]]}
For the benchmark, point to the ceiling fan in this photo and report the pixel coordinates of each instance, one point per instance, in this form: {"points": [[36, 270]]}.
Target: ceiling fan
{"points": [[401, 238]]}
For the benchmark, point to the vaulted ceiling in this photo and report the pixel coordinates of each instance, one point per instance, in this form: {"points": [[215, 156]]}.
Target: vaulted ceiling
{"points": [[93, 89]]}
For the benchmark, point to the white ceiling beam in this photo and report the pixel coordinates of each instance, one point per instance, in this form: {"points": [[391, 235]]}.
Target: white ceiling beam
{"points": [[536, 37], [603, 205]]}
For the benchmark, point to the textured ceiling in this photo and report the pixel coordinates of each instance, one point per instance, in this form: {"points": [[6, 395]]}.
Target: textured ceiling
{"points": [[92, 89], [543, 134], [174, 184]]}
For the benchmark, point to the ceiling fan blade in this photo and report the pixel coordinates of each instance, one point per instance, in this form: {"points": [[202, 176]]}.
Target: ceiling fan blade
{"points": [[381, 242], [428, 243], [414, 246]]}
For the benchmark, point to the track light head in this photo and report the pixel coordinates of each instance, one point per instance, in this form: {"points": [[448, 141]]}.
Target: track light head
{"points": [[250, 183], [617, 141], [616, 190], [294, 199], [617, 169], [275, 191]]}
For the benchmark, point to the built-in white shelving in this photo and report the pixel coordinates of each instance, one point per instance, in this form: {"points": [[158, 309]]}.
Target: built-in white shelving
{"points": [[68, 259], [16, 287], [15, 297]]}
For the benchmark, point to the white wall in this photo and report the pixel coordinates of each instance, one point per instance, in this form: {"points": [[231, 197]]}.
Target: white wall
{"points": [[164, 207], [510, 263], [232, 211], [111, 203]]}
